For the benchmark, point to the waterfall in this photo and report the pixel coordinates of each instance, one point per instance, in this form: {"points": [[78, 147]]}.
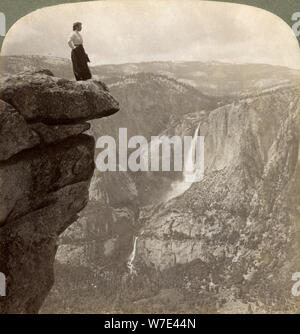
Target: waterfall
{"points": [[189, 170], [191, 173], [130, 264]]}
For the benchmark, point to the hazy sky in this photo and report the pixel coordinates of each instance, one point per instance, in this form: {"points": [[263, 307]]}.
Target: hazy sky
{"points": [[120, 31]]}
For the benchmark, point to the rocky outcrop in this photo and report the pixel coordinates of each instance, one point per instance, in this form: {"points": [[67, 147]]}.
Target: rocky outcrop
{"points": [[49, 97], [46, 165]]}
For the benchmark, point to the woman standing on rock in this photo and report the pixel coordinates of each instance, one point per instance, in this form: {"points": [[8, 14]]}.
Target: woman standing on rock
{"points": [[79, 58]]}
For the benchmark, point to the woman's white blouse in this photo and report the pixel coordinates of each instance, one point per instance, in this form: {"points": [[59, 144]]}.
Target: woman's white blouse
{"points": [[75, 39]]}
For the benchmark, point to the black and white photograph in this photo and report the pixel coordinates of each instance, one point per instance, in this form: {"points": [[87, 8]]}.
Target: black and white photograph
{"points": [[150, 160]]}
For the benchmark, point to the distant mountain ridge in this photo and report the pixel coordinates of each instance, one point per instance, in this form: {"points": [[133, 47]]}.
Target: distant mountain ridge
{"points": [[211, 78]]}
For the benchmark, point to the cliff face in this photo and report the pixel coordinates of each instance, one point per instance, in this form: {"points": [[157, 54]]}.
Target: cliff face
{"points": [[46, 165], [234, 234]]}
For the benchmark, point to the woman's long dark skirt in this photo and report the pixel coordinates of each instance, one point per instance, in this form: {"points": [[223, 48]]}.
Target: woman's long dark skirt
{"points": [[80, 63]]}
